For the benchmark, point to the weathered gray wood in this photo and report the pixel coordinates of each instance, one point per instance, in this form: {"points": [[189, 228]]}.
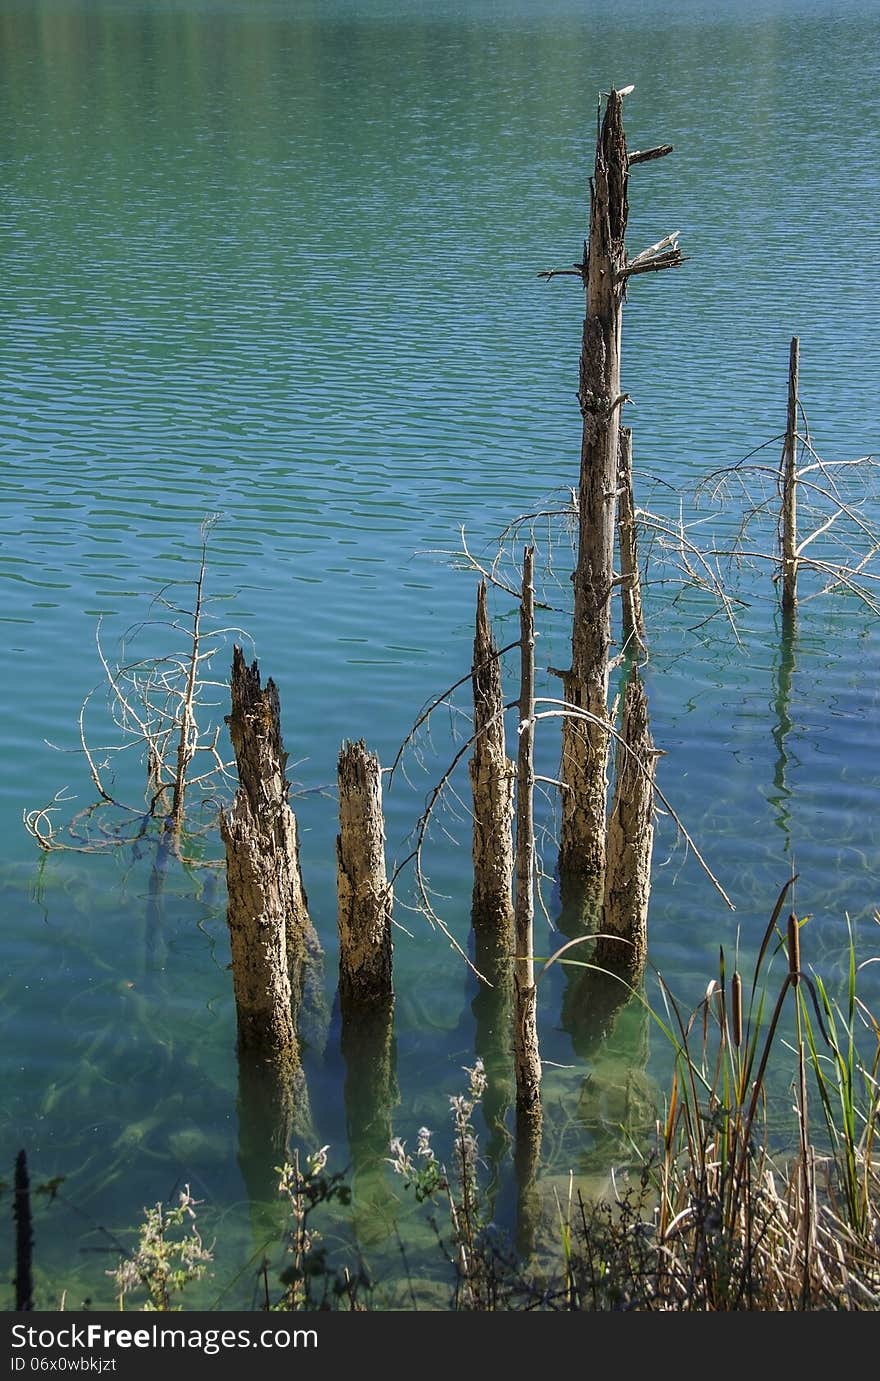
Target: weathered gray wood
{"points": [[585, 743], [266, 910], [492, 776], [622, 945], [789, 485], [633, 618], [363, 892], [527, 1059], [648, 155]]}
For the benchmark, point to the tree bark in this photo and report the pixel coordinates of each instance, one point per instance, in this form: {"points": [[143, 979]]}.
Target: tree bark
{"points": [[267, 913], [492, 775], [622, 945], [363, 893], [633, 618], [585, 744], [527, 1060]]}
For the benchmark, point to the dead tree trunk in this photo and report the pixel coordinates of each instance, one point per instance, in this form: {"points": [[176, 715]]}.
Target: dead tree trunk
{"points": [[269, 924], [789, 486], [363, 892], [605, 273], [622, 945], [585, 743], [633, 618], [527, 1058], [492, 775]]}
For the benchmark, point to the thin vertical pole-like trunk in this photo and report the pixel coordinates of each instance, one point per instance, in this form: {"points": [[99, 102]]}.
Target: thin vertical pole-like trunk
{"points": [[789, 485], [363, 892], [585, 743], [266, 908], [527, 1058], [24, 1235], [632, 615], [492, 775], [622, 944]]}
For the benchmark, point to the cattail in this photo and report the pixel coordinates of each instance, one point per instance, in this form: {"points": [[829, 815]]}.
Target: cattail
{"points": [[794, 950], [736, 996]]}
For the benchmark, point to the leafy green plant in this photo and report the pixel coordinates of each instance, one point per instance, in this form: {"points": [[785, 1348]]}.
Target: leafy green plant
{"points": [[169, 1254]]}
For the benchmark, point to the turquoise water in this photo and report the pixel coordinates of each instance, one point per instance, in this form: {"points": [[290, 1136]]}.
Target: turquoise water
{"points": [[278, 261]]}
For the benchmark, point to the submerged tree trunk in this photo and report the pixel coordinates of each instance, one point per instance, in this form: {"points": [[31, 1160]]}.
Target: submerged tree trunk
{"points": [[632, 616], [370, 1093], [527, 1059], [622, 945], [363, 892], [585, 743], [492, 775], [268, 919], [789, 486]]}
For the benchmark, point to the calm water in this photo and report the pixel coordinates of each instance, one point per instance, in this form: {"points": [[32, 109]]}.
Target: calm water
{"points": [[278, 261]]}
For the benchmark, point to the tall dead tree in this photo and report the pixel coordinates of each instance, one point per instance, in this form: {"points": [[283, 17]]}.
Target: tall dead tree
{"points": [[605, 272], [492, 775], [269, 926], [585, 743], [788, 521], [622, 944], [363, 891]]}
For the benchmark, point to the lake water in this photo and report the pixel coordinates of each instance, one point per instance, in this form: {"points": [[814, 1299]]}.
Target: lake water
{"points": [[278, 261]]}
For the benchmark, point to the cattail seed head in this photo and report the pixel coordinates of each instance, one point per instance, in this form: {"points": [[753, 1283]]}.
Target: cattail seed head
{"points": [[794, 950], [737, 1013]]}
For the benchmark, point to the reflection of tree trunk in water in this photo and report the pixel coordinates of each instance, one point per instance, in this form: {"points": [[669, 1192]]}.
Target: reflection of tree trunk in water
{"points": [[782, 709], [492, 1008], [618, 1100], [527, 1157], [370, 1054], [273, 1108], [590, 1005]]}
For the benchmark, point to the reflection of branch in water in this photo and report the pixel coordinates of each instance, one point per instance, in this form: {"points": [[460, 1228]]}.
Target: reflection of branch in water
{"points": [[492, 1007], [370, 1054], [782, 710]]}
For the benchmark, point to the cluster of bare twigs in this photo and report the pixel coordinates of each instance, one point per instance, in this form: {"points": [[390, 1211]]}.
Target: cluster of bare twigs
{"points": [[834, 500], [155, 705], [838, 546]]}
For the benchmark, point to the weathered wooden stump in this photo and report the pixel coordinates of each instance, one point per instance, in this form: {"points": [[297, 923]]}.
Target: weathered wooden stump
{"points": [[363, 892], [269, 926]]}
